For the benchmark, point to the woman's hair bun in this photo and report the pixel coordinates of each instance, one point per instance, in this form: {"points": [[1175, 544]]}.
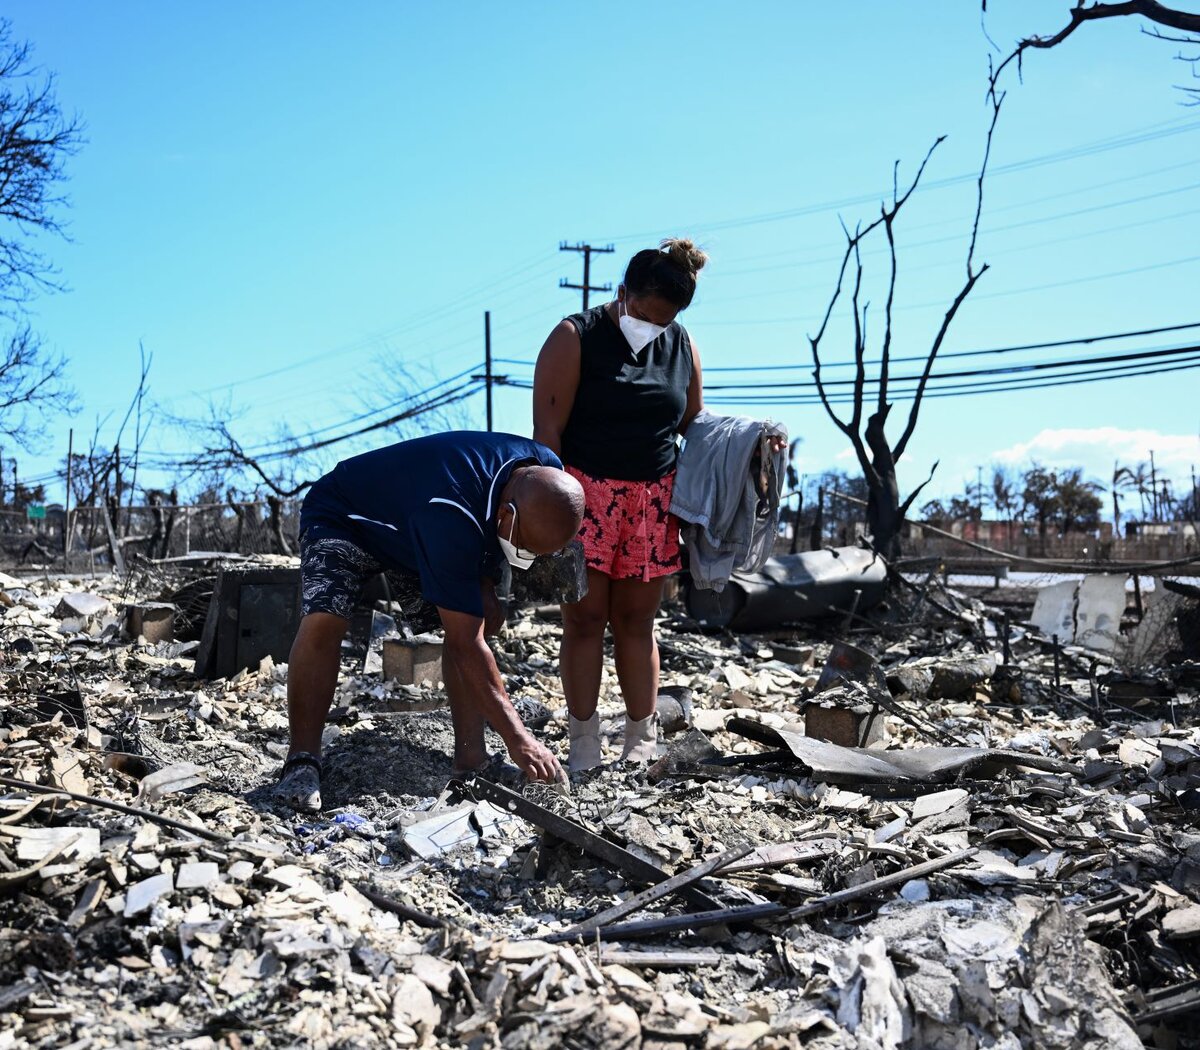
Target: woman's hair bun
{"points": [[685, 254]]}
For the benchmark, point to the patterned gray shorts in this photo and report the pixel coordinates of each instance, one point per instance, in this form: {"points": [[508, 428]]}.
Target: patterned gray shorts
{"points": [[334, 572]]}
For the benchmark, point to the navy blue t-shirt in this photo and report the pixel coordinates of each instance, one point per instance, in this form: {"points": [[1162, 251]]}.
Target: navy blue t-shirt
{"points": [[426, 506]]}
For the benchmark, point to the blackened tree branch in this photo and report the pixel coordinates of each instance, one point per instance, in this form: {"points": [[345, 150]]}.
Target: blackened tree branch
{"points": [[1082, 12]]}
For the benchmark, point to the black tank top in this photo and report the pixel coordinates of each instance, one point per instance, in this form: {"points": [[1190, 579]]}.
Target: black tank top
{"points": [[626, 411]]}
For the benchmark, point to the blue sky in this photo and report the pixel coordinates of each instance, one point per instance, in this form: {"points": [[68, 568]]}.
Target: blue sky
{"points": [[288, 203]]}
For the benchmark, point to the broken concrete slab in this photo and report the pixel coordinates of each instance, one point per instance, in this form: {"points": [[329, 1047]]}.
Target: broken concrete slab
{"points": [[82, 605], [141, 896], [937, 802], [1182, 923], [197, 875], [176, 777]]}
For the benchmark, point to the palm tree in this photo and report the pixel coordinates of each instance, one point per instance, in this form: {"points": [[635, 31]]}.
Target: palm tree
{"points": [[1004, 492], [1129, 479]]}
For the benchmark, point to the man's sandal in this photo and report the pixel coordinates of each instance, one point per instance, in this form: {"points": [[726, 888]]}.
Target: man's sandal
{"points": [[300, 782]]}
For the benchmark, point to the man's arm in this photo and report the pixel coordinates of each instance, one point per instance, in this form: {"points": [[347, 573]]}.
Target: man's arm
{"points": [[464, 645]]}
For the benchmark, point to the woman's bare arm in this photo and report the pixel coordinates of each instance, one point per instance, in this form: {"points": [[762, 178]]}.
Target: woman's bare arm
{"points": [[555, 381]]}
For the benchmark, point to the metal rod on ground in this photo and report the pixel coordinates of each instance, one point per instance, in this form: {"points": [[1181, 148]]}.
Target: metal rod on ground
{"points": [[754, 912], [853, 609], [1137, 596], [1006, 627], [884, 882], [649, 896], [1057, 664], [104, 803]]}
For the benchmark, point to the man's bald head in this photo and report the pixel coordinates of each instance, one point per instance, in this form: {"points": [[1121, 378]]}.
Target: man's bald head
{"points": [[549, 508]]}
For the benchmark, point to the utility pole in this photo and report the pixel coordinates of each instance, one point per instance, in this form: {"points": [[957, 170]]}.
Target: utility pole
{"points": [[979, 489], [487, 363], [66, 527], [490, 379], [1153, 487], [587, 251]]}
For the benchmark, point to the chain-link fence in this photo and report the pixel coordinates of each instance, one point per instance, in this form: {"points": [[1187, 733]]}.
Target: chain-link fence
{"points": [[84, 537]]}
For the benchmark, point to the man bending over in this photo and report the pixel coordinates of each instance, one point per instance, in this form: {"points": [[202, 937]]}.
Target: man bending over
{"points": [[437, 515]]}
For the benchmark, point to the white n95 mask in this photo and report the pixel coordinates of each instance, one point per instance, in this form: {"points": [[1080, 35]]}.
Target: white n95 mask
{"points": [[515, 556], [638, 333]]}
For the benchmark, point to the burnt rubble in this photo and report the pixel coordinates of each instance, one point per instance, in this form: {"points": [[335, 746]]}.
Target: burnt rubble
{"points": [[1014, 860]]}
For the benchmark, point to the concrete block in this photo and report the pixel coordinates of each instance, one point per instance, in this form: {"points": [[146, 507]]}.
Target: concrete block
{"points": [[154, 621], [845, 726], [81, 605], [411, 661]]}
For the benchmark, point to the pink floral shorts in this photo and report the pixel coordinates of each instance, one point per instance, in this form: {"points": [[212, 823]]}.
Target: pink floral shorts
{"points": [[628, 532]]}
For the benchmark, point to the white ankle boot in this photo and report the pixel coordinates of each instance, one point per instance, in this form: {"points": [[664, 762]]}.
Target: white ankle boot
{"points": [[641, 740], [585, 743]]}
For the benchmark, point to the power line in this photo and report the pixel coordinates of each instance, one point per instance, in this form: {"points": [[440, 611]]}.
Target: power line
{"points": [[1077, 341], [1043, 286], [987, 231], [449, 397], [1037, 366], [966, 389], [1074, 193], [1150, 133]]}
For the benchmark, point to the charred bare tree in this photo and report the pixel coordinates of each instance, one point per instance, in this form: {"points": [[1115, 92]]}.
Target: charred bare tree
{"points": [[32, 385], [876, 454], [35, 140], [239, 510], [275, 505], [162, 506], [1186, 26]]}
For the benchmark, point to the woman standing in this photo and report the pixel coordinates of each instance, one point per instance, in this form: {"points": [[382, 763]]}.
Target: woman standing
{"points": [[613, 387]]}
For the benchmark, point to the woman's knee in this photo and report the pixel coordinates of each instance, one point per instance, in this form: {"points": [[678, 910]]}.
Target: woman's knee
{"points": [[582, 622], [632, 624]]}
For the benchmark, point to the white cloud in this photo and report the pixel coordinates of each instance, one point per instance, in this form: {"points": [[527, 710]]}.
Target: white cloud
{"points": [[845, 454], [1096, 448]]}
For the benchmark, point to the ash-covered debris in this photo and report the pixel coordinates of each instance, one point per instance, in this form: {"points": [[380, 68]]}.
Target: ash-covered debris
{"points": [[1015, 861]]}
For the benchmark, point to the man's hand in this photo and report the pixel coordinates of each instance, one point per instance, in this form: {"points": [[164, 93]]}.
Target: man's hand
{"points": [[535, 760], [493, 611]]}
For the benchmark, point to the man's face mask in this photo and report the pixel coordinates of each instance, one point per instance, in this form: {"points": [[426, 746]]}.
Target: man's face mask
{"points": [[517, 558], [638, 333]]}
